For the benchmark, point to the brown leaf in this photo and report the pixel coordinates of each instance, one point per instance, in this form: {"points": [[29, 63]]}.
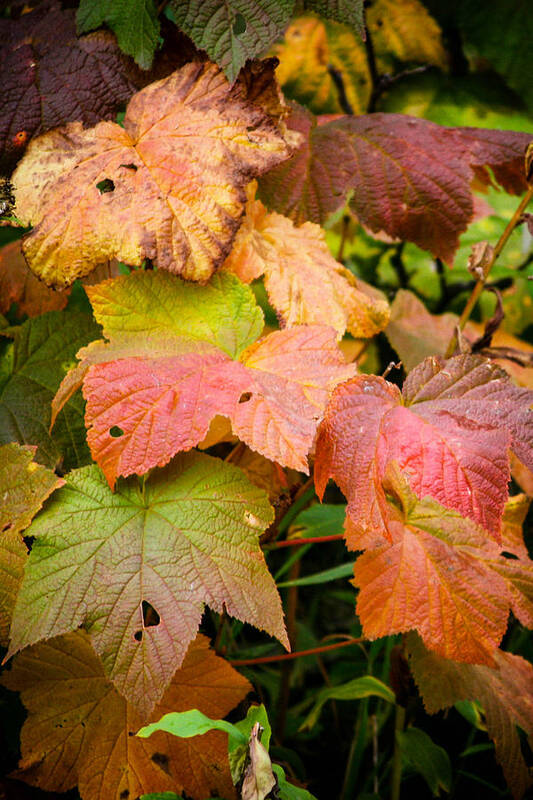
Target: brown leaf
{"points": [[19, 285], [80, 731], [506, 694]]}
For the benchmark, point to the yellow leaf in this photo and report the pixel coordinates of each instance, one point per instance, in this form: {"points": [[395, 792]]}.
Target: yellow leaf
{"points": [[318, 54], [168, 186]]}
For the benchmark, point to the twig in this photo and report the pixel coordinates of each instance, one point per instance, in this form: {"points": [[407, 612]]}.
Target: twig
{"points": [[299, 542], [480, 283], [338, 80], [399, 266], [298, 654], [372, 68], [344, 236], [380, 83]]}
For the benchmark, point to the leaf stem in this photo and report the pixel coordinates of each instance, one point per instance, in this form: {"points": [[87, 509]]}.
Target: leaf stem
{"points": [[396, 777], [298, 542], [298, 654], [480, 284]]}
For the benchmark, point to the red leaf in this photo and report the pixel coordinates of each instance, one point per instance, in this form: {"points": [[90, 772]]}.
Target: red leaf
{"points": [[410, 178], [450, 431]]}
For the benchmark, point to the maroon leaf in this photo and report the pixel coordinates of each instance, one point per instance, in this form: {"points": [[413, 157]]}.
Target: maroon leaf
{"points": [[50, 77], [410, 178]]}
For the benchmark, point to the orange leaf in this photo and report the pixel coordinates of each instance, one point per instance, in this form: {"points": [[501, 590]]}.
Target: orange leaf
{"points": [[442, 576], [305, 284], [80, 731], [168, 186]]}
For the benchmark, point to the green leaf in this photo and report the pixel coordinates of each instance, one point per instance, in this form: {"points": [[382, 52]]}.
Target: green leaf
{"points": [[426, 758], [287, 791], [161, 796], [134, 22], [319, 520], [236, 751], [136, 567], [366, 686], [504, 37], [192, 723], [232, 31], [349, 12], [325, 576], [32, 367]]}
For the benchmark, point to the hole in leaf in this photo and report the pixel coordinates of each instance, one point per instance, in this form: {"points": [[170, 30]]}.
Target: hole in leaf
{"points": [[138, 635], [161, 760], [150, 616], [505, 554], [130, 166], [125, 793], [239, 25], [245, 396], [115, 432], [105, 186]]}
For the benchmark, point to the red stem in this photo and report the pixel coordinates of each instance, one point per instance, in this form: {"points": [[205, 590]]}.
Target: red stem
{"points": [[297, 542], [286, 656]]}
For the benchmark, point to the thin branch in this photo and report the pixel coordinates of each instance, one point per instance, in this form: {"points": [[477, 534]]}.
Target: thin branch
{"points": [[247, 662], [480, 284], [338, 80], [299, 542]]}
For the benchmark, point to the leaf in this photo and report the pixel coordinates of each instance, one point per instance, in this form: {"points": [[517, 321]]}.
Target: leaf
{"points": [[319, 520], [19, 285], [507, 47], [13, 555], [187, 724], [416, 334], [51, 77], [102, 560], [168, 186], [313, 56], [426, 758], [80, 730], [42, 352], [318, 57], [305, 285], [410, 178], [259, 780], [450, 431], [232, 31], [135, 24], [287, 791], [179, 354], [356, 689], [505, 693], [349, 12], [24, 486], [442, 576], [403, 30], [325, 576]]}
